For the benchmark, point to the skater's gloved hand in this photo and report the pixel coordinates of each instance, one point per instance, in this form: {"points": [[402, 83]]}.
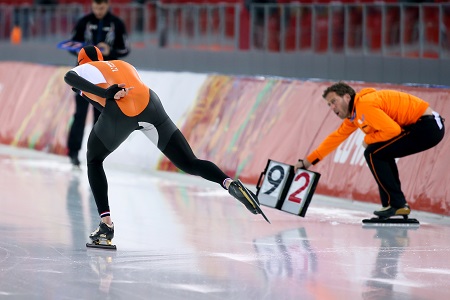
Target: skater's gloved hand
{"points": [[116, 91], [77, 91]]}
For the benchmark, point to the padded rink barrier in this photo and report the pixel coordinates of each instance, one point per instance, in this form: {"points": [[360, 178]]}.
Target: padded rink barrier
{"points": [[236, 122], [37, 106]]}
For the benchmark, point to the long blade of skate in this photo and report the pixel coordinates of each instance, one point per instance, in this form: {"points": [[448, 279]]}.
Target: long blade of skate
{"points": [[254, 203], [101, 246], [262, 213], [393, 222]]}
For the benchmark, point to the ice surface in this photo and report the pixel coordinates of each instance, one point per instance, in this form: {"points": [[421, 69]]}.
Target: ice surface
{"points": [[180, 237]]}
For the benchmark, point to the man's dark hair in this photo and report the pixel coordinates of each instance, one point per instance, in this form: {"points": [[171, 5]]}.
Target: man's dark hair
{"points": [[340, 89], [100, 1]]}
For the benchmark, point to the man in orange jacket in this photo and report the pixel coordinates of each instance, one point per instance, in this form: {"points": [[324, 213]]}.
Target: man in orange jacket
{"points": [[396, 124], [127, 104]]}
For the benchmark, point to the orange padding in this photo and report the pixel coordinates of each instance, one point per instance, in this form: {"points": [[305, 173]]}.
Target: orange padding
{"points": [[240, 123]]}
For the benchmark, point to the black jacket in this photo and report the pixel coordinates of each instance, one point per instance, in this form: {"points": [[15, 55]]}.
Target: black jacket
{"points": [[113, 33]]}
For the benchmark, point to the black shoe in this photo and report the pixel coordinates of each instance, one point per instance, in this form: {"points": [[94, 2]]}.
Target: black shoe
{"points": [[74, 160], [388, 211], [238, 191], [103, 232]]}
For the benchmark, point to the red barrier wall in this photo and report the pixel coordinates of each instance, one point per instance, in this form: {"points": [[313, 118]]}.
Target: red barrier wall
{"points": [[36, 106], [240, 123]]}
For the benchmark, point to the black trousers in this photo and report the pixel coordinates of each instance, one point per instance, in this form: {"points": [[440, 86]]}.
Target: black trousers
{"points": [[113, 128], [424, 134], [76, 131]]}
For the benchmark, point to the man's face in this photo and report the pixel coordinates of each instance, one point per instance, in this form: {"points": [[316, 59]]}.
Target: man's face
{"points": [[339, 104], [100, 10]]}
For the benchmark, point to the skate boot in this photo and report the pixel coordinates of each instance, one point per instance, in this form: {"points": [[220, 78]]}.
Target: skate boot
{"points": [[386, 214], [388, 211], [246, 197], [102, 236], [238, 191]]}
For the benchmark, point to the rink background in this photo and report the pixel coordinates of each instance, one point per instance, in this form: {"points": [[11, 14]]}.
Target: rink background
{"points": [[235, 121], [180, 237]]}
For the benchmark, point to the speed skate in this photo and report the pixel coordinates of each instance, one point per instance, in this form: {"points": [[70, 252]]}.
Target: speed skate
{"points": [[397, 220], [247, 198], [101, 237], [105, 244], [255, 203]]}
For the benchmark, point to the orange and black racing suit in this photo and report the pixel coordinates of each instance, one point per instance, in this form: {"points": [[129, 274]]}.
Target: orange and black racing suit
{"points": [[140, 110], [396, 124]]}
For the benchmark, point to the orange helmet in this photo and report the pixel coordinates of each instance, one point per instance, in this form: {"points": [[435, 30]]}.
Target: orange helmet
{"points": [[88, 54]]}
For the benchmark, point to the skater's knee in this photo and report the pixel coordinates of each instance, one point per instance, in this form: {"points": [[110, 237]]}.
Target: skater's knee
{"points": [[94, 161], [190, 166], [93, 158], [193, 166]]}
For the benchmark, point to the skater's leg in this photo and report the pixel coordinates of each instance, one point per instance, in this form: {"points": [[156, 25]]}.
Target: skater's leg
{"points": [[111, 129], [96, 154], [179, 152], [161, 131]]}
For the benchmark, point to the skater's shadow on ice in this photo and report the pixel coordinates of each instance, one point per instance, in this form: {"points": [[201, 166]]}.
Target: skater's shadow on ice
{"points": [[81, 210]]}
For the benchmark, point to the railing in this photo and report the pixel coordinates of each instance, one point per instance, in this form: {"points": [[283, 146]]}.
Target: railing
{"points": [[38, 21], [405, 30]]}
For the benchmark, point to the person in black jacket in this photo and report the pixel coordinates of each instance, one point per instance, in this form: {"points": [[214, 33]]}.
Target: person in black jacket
{"points": [[106, 31]]}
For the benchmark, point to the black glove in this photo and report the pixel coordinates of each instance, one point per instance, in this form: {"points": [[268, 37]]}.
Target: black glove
{"points": [[76, 90], [112, 90]]}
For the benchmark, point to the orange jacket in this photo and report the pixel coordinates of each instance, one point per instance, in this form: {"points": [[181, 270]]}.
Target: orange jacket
{"points": [[381, 115]]}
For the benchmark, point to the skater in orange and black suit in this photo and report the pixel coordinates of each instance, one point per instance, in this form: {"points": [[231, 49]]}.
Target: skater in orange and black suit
{"points": [[395, 124], [127, 104], [108, 32]]}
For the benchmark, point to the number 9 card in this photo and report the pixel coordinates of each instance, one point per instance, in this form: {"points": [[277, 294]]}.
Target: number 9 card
{"points": [[274, 186]]}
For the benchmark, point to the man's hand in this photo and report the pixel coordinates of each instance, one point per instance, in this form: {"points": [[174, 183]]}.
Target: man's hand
{"points": [[117, 91], [302, 164]]}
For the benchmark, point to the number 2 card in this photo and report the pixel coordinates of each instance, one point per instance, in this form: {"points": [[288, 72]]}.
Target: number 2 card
{"points": [[300, 192]]}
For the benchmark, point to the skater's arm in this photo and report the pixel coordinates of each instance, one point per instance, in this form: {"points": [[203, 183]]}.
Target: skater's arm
{"points": [[79, 83], [115, 91]]}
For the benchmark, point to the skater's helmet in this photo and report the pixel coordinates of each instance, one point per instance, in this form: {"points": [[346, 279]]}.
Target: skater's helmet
{"points": [[88, 54]]}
